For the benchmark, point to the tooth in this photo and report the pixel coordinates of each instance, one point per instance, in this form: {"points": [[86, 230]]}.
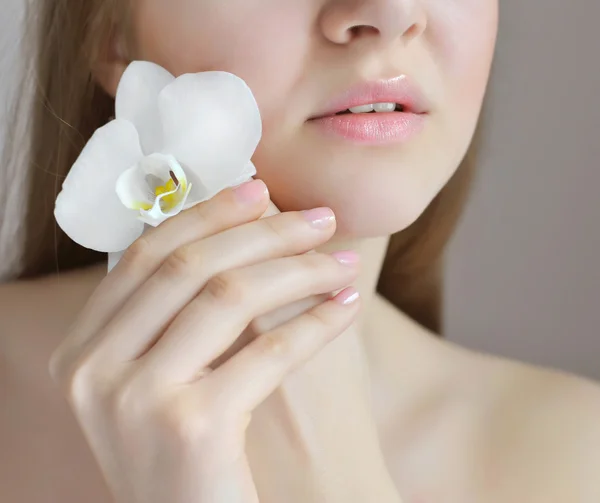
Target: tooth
{"points": [[362, 109], [384, 107]]}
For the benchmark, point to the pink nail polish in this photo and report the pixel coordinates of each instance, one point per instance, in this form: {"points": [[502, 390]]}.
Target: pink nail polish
{"points": [[251, 192], [347, 257], [347, 296], [320, 218]]}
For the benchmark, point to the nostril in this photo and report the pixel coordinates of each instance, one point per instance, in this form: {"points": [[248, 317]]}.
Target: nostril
{"points": [[363, 29], [413, 31]]}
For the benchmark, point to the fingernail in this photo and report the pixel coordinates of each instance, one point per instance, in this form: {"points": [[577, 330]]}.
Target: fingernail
{"points": [[320, 218], [251, 192], [348, 257], [347, 296]]}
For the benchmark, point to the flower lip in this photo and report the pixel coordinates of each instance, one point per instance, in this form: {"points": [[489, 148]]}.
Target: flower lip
{"points": [[400, 90]]}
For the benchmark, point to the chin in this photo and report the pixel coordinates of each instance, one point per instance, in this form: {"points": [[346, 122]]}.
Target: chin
{"points": [[380, 214], [374, 191], [366, 204]]}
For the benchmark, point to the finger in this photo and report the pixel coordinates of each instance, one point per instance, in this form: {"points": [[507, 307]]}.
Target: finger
{"points": [[227, 209], [213, 321], [183, 275], [251, 375]]}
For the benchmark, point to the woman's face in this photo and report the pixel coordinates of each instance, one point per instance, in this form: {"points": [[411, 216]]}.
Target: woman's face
{"points": [[307, 60]]}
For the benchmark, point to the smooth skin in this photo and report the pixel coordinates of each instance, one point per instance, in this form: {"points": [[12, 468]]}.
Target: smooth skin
{"points": [[143, 381], [362, 404], [166, 410]]}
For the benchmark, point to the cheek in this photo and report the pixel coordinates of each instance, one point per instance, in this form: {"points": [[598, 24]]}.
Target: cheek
{"points": [[462, 40], [465, 37], [235, 36], [270, 44]]}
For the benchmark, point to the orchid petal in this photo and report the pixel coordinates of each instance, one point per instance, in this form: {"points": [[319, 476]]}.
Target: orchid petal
{"points": [[137, 101], [132, 189], [197, 197], [159, 165], [113, 259], [248, 172], [88, 209], [212, 125]]}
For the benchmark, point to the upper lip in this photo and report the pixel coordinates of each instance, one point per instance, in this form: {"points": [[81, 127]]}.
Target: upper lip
{"points": [[400, 90]]}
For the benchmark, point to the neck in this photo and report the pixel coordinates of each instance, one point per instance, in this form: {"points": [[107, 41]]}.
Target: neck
{"points": [[382, 337], [350, 348], [337, 382], [372, 253]]}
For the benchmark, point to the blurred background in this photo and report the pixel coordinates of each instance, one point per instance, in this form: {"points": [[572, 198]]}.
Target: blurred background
{"points": [[523, 278], [523, 273]]}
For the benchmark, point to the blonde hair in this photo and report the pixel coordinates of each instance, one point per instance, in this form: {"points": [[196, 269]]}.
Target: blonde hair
{"points": [[69, 106]]}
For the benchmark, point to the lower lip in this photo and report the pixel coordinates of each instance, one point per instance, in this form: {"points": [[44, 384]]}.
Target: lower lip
{"points": [[379, 128]]}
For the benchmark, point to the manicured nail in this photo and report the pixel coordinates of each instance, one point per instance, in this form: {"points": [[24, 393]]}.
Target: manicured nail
{"points": [[251, 192], [347, 296], [348, 257], [320, 218]]}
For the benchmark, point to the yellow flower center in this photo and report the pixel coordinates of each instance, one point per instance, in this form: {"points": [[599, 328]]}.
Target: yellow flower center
{"points": [[170, 201], [167, 187]]}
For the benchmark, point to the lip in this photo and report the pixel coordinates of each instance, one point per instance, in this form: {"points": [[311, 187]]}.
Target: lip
{"points": [[399, 90], [378, 127]]}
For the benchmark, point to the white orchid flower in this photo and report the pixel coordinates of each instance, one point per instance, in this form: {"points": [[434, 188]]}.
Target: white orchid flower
{"points": [[174, 142]]}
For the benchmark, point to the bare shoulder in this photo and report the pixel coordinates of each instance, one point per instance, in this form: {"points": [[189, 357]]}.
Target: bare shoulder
{"points": [[48, 304], [487, 429], [43, 456], [544, 430]]}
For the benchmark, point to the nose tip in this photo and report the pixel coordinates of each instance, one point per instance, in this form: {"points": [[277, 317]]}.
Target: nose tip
{"points": [[346, 20]]}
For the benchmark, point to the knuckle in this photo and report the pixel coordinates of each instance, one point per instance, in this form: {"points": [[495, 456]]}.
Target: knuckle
{"points": [[226, 288], [320, 261], [181, 261], [274, 228], [316, 320], [186, 423], [326, 324], [80, 384], [139, 254], [77, 373], [321, 266], [58, 365], [127, 403], [260, 325], [198, 211], [273, 343], [312, 266]]}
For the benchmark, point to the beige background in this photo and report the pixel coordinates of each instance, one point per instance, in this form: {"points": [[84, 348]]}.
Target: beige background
{"points": [[523, 272]]}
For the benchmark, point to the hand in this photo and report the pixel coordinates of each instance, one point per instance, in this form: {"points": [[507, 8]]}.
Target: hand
{"points": [[164, 415]]}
